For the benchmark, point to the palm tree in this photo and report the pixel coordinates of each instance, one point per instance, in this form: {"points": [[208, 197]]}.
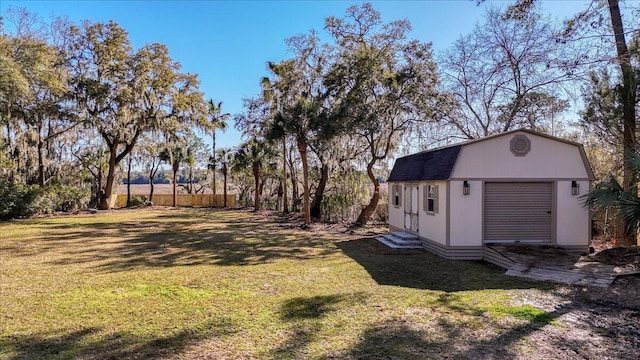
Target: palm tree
{"points": [[299, 108], [174, 154], [225, 155], [270, 93], [257, 155], [625, 205], [217, 120]]}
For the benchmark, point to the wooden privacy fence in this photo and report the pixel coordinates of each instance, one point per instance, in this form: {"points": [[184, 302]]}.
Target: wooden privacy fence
{"points": [[186, 200]]}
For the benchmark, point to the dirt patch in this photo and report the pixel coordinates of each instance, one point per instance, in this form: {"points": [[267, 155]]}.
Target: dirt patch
{"points": [[625, 290], [619, 256], [589, 329]]}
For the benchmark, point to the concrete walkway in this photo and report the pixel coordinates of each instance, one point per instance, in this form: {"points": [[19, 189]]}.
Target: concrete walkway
{"points": [[602, 277], [557, 265]]}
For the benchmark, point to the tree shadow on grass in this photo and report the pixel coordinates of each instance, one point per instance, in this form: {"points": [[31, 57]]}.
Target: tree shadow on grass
{"points": [[504, 344], [309, 307], [397, 340], [304, 315], [43, 346], [241, 246], [298, 337], [536, 335], [423, 270], [220, 241], [420, 269], [401, 339], [89, 343]]}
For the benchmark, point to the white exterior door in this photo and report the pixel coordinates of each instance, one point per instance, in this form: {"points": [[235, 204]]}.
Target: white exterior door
{"points": [[518, 212], [411, 206]]}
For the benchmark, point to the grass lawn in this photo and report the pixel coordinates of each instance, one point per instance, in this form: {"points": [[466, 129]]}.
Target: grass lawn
{"points": [[199, 283]]}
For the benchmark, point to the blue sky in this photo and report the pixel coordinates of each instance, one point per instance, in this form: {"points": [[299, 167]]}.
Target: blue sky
{"points": [[227, 43]]}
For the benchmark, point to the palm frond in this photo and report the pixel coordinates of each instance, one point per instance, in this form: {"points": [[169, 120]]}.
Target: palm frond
{"points": [[629, 210], [610, 195], [605, 195]]}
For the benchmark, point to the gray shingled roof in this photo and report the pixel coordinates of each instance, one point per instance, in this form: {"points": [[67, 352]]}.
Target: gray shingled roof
{"points": [[429, 165]]}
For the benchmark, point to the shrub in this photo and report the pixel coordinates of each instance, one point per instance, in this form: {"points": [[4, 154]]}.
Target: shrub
{"points": [[381, 215], [10, 197], [19, 200], [137, 200], [68, 198], [338, 207]]}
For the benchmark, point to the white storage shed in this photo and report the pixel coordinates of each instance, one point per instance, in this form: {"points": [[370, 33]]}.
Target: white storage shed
{"points": [[515, 187]]}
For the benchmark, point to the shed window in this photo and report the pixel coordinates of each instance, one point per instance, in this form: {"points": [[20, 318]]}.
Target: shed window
{"points": [[431, 199], [397, 195]]}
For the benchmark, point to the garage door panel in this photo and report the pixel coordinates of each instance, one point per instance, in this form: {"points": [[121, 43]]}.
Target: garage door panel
{"points": [[517, 211]]}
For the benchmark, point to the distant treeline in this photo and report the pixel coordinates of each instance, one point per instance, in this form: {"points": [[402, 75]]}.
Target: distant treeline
{"points": [[139, 178]]}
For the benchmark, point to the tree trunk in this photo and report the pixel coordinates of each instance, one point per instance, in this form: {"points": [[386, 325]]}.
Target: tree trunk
{"points": [[317, 199], [261, 187], [285, 206], [628, 97], [279, 201], [129, 181], [151, 191], [365, 214], [213, 159], [302, 148], [99, 189], [175, 196], [224, 191], [294, 186], [40, 160], [292, 181], [152, 174], [10, 150], [105, 202], [256, 195], [114, 159]]}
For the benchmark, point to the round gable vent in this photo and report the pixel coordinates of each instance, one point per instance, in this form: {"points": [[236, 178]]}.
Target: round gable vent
{"points": [[520, 145]]}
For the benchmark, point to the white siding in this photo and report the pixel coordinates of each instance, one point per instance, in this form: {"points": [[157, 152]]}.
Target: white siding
{"points": [[466, 214], [493, 159], [434, 226], [573, 226], [396, 213]]}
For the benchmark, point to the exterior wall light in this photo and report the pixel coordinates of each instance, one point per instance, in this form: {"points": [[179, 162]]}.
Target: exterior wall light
{"points": [[575, 187], [466, 188]]}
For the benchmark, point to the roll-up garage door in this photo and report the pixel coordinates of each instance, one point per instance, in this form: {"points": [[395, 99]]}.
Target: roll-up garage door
{"points": [[517, 212]]}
